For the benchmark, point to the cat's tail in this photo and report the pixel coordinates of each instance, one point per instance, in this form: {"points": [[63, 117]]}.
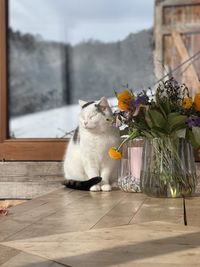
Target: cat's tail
{"points": [[82, 185]]}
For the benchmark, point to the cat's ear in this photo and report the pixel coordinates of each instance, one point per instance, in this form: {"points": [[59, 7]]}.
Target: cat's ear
{"points": [[82, 103], [103, 102]]}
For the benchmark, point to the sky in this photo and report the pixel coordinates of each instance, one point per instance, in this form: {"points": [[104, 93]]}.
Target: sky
{"points": [[75, 21]]}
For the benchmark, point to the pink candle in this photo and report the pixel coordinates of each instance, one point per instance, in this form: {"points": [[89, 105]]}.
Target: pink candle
{"points": [[135, 156]]}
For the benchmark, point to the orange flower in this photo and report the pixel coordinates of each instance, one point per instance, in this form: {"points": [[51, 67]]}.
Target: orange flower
{"points": [[187, 102], [124, 95], [114, 153], [124, 99], [197, 102], [123, 105]]}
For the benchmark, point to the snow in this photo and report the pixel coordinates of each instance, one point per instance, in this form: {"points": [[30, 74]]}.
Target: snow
{"points": [[54, 123]]}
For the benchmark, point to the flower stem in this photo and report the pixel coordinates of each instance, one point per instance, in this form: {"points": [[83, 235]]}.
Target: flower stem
{"points": [[131, 136]]}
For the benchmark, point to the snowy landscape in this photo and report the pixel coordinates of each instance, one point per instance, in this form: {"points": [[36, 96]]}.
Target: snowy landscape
{"points": [[44, 89], [102, 48], [54, 123]]}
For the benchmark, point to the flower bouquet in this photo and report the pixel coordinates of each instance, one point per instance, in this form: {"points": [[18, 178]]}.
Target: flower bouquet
{"points": [[169, 121]]}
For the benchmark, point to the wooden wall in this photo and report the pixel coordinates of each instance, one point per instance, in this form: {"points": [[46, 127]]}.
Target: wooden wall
{"points": [[177, 37]]}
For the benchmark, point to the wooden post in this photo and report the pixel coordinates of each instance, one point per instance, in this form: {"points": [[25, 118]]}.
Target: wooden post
{"points": [[192, 77]]}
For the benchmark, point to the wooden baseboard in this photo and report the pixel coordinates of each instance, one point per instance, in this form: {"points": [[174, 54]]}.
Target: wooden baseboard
{"points": [[27, 180]]}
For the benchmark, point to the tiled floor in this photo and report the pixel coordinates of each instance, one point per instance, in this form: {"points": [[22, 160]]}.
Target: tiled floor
{"points": [[74, 228]]}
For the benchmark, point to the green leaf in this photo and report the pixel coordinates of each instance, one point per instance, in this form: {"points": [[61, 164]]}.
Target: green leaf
{"points": [[192, 139], [135, 133], [196, 133], [159, 132], [158, 119], [148, 134], [164, 106], [176, 121], [148, 119]]}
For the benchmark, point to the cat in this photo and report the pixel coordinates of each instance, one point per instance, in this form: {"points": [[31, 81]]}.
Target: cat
{"points": [[87, 165]]}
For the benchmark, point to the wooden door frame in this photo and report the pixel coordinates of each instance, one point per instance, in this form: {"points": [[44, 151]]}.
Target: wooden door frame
{"points": [[20, 149]]}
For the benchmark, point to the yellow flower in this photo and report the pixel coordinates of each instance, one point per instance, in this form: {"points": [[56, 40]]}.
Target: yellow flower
{"points": [[114, 153], [187, 102], [197, 102], [124, 99]]}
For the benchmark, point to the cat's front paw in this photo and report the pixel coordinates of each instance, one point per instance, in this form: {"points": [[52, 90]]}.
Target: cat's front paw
{"points": [[106, 187], [95, 188]]}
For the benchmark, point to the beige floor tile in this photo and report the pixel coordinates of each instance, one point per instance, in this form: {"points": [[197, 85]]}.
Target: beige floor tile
{"points": [[84, 229], [154, 243], [28, 260], [6, 253]]}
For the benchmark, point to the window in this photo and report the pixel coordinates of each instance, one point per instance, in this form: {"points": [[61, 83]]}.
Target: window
{"points": [[96, 48], [21, 148]]}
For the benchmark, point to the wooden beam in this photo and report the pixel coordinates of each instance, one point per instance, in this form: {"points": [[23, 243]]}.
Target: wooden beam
{"points": [[192, 28], [3, 80], [182, 50], [158, 51], [176, 2], [19, 149]]}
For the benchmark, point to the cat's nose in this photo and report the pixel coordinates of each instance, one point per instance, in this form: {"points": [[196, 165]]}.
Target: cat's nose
{"points": [[85, 123]]}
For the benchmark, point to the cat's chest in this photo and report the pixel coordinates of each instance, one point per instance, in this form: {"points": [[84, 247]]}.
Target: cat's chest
{"points": [[98, 142]]}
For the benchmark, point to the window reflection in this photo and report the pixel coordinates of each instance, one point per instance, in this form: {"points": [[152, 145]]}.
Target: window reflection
{"points": [[61, 51]]}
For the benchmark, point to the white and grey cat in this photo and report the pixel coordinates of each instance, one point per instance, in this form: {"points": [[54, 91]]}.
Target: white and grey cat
{"points": [[87, 165]]}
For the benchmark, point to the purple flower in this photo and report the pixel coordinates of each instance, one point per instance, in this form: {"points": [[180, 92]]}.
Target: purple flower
{"points": [[139, 100], [132, 103], [142, 98], [197, 121], [135, 103], [191, 122]]}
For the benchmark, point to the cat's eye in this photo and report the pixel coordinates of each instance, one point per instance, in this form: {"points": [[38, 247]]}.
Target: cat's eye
{"points": [[92, 116]]}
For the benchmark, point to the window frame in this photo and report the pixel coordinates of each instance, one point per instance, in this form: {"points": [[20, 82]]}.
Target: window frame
{"points": [[24, 149], [42, 149]]}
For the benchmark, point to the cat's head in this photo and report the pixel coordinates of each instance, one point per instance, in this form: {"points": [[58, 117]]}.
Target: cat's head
{"points": [[95, 115]]}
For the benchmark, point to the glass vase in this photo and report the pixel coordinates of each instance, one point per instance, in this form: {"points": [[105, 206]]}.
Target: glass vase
{"points": [[131, 163], [168, 168]]}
